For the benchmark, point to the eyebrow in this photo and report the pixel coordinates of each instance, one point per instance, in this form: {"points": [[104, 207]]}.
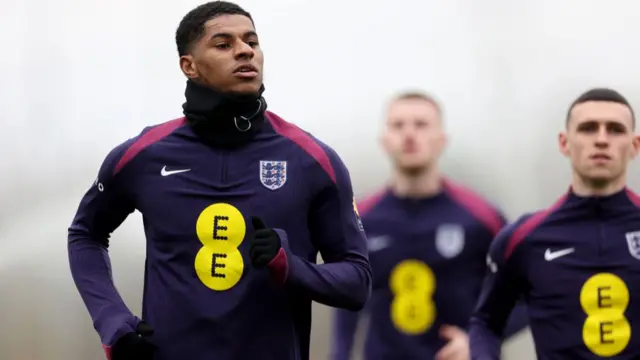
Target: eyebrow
{"points": [[606, 121], [227, 35]]}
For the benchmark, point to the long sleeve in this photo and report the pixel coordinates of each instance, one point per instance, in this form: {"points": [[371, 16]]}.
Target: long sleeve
{"points": [[344, 280], [102, 209], [345, 325], [518, 320], [501, 290]]}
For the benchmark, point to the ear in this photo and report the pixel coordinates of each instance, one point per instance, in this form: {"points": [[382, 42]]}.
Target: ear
{"points": [[188, 66], [636, 146], [562, 143]]}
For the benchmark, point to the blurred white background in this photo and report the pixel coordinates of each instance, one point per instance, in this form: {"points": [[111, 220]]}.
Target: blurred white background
{"points": [[80, 76]]}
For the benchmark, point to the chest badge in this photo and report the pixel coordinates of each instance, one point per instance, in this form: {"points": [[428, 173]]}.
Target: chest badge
{"points": [[273, 174], [633, 240], [450, 240]]}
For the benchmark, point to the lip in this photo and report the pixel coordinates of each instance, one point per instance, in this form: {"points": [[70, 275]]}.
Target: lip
{"points": [[246, 71], [409, 149], [600, 157]]}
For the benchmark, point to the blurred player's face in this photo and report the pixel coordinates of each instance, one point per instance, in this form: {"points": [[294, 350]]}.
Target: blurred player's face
{"points": [[227, 57], [600, 141], [413, 137]]}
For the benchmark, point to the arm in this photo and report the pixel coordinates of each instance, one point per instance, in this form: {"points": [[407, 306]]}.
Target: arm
{"points": [[501, 289], [102, 209], [345, 325], [344, 280], [518, 319], [458, 340]]}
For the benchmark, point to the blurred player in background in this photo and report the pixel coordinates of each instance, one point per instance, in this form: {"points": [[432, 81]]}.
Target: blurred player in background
{"points": [[236, 203], [428, 241], [577, 263]]}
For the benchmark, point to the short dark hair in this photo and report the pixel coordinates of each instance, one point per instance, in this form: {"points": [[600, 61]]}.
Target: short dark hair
{"points": [[601, 94], [191, 26]]}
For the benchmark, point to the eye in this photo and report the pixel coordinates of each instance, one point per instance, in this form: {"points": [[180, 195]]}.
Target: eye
{"points": [[421, 124], [616, 128], [253, 43], [397, 125], [588, 127], [223, 46]]}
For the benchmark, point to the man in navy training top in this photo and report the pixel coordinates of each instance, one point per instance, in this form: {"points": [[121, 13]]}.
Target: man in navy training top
{"points": [[428, 241], [577, 262], [236, 203]]}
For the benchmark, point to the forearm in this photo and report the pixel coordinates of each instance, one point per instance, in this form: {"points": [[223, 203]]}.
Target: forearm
{"points": [[485, 344], [91, 271], [345, 284], [518, 320], [345, 327]]}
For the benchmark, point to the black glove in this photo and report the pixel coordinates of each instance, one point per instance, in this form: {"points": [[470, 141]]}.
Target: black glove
{"points": [[135, 345], [265, 243]]}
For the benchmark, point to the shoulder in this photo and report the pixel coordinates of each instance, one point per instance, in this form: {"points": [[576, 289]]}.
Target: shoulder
{"points": [[526, 225], [369, 202], [122, 154], [634, 198], [319, 152], [483, 210], [512, 236]]}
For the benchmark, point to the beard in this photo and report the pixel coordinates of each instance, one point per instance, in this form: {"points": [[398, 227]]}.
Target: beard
{"points": [[412, 170], [600, 181]]}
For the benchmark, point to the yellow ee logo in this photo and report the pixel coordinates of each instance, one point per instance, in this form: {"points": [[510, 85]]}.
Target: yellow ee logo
{"points": [[413, 284], [604, 298], [221, 229]]}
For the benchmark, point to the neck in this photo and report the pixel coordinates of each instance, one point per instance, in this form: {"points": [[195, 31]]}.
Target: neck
{"points": [[423, 184], [585, 187]]}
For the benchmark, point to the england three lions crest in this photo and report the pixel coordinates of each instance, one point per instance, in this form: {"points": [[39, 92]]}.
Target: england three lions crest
{"points": [[633, 241], [273, 174], [450, 240]]}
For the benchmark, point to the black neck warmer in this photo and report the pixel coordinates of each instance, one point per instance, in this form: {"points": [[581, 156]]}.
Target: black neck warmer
{"points": [[223, 120]]}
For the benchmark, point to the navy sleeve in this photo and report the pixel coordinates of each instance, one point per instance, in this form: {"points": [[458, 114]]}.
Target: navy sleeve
{"points": [[344, 280], [345, 325], [102, 209], [503, 218], [519, 318], [502, 288]]}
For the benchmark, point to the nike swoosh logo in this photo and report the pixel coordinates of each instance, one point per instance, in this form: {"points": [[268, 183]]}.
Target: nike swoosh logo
{"points": [[165, 172], [552, 255]]}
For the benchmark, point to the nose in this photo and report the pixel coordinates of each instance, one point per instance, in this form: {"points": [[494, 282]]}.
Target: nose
{"points": [[409, 140], [602, 137], [244, 51]]}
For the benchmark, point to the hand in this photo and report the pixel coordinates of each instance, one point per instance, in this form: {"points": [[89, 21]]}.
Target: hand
{"points": [[135, 345], [265, 243], [457, 347]]}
